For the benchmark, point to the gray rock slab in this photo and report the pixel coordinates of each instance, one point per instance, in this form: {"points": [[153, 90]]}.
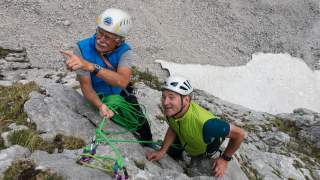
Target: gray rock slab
{"points": [[65, 165], [61, 110]]}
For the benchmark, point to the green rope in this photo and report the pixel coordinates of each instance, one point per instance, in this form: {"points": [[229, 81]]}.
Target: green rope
{"points": [[126, 115]]}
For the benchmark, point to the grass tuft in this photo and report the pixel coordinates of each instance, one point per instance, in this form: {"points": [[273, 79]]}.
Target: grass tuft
{"points": [[12, 99], [146, 77], [68, 142], [25, 169], [2, 146], [4, 52], [296, 144], [288, 127], [30, 139]]}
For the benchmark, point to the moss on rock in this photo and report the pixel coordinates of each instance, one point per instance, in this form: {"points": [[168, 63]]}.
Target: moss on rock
{"points": [[146, 77], [68, 142], [26, 169], [30, 139]]}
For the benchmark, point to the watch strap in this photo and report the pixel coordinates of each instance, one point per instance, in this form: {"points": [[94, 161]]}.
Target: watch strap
{"points": [[225, 157], [97, 68]]}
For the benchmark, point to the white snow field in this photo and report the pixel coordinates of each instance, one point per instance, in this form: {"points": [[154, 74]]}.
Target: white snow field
{"points": [[273, 83]]}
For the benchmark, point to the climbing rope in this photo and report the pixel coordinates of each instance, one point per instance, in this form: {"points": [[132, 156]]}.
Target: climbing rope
{"points": [[126, 115]]}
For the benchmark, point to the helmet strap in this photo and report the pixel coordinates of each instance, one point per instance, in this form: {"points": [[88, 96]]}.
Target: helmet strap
{"points": [[182, 107]]}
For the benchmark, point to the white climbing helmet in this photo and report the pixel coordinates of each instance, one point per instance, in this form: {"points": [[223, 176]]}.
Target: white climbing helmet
{"points": [[115, 21], [178, 84]]}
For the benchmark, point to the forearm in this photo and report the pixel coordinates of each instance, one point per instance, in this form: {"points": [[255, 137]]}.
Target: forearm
{"points": [[232, 147], [91, 96], [113, 78], [235, 141], [168, 140]]}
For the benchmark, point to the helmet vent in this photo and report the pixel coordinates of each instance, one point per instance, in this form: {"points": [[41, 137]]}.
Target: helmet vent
{"points": [[183, 88], [174, 84], [187, 84]]}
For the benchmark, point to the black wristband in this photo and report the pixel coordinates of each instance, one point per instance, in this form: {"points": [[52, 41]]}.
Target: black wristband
{"points": [[225, 157]]}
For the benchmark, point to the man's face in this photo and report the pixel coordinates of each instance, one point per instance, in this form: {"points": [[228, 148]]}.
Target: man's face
{"points": [[171, 103], [105, 41]]}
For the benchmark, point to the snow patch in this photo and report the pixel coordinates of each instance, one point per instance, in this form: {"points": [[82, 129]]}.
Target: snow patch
{"points": [[274, 83]]}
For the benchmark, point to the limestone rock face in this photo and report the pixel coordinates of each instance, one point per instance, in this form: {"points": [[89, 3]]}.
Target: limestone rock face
{"points": [[225, 33]]}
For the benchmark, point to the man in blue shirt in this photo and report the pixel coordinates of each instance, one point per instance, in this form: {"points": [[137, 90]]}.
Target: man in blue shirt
{"points": [[103, 64]]}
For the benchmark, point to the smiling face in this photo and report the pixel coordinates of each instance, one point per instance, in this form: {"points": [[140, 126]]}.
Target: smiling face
{"points": [[174, 103], [106, 41]]}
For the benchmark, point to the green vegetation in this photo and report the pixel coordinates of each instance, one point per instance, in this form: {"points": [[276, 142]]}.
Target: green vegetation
{"points": [[251, 173], [146, 77], [4, 52], [306, 149], [249, 127], [297, 164], [12, 100], [25, 169], [296, 145], [2, 146], [68, 142], [276, 172], [30, 139], [288, 127]]}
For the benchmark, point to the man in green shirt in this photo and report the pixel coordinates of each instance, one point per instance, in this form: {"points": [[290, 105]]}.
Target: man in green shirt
{"points": [[198, 131]]}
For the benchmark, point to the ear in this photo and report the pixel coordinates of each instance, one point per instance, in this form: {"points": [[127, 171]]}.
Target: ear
{"points": [[121, 41], [187, 99]]}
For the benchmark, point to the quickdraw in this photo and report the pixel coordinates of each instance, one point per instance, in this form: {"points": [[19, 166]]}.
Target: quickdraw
{"points": [[92, 149], [120, 173], [89, 153]]}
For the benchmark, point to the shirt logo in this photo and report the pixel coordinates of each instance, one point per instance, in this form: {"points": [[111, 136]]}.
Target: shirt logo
{"points": [[212, 139], [107, 21]]}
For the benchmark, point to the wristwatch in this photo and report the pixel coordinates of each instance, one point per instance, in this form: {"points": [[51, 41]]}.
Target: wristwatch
{"points": [[97, 68], [225, 157]]}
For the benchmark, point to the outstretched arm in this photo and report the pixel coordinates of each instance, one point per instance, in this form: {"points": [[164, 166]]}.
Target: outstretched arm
{"points": [[118, 78], [168, 140]]}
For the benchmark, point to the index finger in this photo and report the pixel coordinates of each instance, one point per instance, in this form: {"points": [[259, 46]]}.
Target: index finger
{"points": [[67, 53]]}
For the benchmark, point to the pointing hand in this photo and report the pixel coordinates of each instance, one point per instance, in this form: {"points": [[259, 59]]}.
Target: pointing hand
{"points": [[74, 62]]}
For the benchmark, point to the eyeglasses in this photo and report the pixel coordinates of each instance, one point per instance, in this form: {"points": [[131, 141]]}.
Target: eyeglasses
{"points": [[107, 36]]}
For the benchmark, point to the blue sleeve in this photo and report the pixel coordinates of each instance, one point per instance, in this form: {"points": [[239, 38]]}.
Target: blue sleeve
{"points": [[215, 128]]}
